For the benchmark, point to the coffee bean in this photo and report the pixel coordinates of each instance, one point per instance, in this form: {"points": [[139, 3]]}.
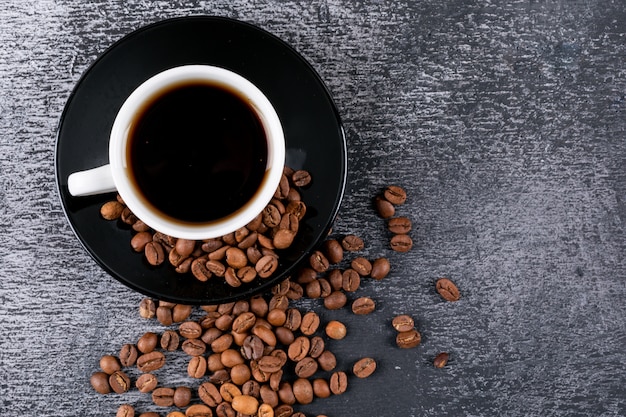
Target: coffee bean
{"points": [[190, 330], [119, 382], [109, 364], [228, 391], [352, 243], [214, 362], [299, 349], [147, 342], [297, 208], [293, 319], [198, 410], [276, 317], [182, 396], [283, 238], [279, 301], [195, 347], [128, 217], [231, 357], [327, 360], [335, 278], [152, 361], [244, 322], [399, 225], [170, 340], [350, 280], [338, 382], [147, 308], [128, 355], [363, 368], [310, 323], [384, 208], [180, 313], [336, 330], [336, 300], [270, 364], [222, 343], [321, 389], [125, 410], [441, 360], [306, 367], [333, 251], [251, 388], [224, 409], [447, 289], [380, 268], [245, 404], [401, 243], [149, 414], [362, 266], [259, 306], [176, 414], [163, 397], [100, 382], [285, 393], [209, 394], [146, 382], [271, 216], [265, 410], [275, 380], [199, 269], [284, 410], [403, 323], [252, 348], [395, 195], [301, 178], [140, 240], [164, 315], [295, 291], [363, 305], [197, 367], [408, 339], [111, 210], [318, 261], [268, 396], [313, 289], [219, 377], [317, 347], [284, 336], [303, 391], [216, 267], [266, 266]]}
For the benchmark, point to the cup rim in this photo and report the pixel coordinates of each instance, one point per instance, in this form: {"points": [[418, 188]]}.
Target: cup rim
{"points": [[162, 222]]}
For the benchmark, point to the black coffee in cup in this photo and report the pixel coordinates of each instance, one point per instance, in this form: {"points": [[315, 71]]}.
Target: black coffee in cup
{"points": [[197, 152]]}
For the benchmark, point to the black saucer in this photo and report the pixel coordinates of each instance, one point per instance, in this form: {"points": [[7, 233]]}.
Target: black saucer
{"points": [[314, 138]]}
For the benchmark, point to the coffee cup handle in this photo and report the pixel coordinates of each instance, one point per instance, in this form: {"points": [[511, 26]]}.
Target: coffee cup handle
{"points": [[91, 182]]}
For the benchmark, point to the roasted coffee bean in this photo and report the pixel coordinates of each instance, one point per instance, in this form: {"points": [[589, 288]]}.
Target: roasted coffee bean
{"points": [[293, 319], [266, 335], [313, 289], [164, 316], [181, 312], [218, 254], [109, 364], [271, 216], [303, 391], [245, 404], [175, 258], [149, 414], [170, 340], [399, 225], [216, 268], [125, 410], [199, 269], [352, 243], [190, 330], [128, 217], [284, 410], [283, 238], [327, 360], [259, 306], [275, 380], [231, 357], [295, 291], [333, 251], [285, 393], [197, 367], [297, 208], [146, 382], [306, 368], [335, 278], [208, 320], [128, 355], [338, 382], [244, 322], [222, 343], [395, 195], [276, 317], [401, 243], [194, 347], [248, 242], [184, 267], [209, 394], [163, 397], [268, 396], [100, 382], [198, 410], [214, 362], [350, 280], [362, 266], [211, 245], [266, 266], [363, 305], [265, 410], [241, 306], [317, 347], [147, 308], [228, 391], [182, 396], [167, 304], [270, 364], [384, 208], [147, 342], [318, 261], [335, 301], [284, 336], [299, 349], [252, 348], [119, 382], [224, 409], [236, 258], [321, 389], [306, 275], [380, 268], [403, 323], [231, 278], [363, 368], [251, 388], [219, 377], [176, 414], [140, 240], [154, 253], [336, 330], [408, 339], [310, 323], [301, 178], [441, 360], [152, 361], [279, 301], [111, 210], [140, 226], [447, 289]]}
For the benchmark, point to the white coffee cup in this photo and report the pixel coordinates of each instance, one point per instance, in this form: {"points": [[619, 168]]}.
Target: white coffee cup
{"points": [[116, 175]]}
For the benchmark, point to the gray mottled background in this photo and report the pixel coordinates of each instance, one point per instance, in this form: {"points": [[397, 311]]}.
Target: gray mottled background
{"points": [[506, 121]]}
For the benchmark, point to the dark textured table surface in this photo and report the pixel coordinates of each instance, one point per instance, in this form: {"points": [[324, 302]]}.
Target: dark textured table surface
{"points": [[506, 123]]}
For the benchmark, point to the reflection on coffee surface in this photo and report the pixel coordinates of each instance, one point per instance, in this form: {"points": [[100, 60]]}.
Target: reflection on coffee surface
{"points": [[197, 152]]}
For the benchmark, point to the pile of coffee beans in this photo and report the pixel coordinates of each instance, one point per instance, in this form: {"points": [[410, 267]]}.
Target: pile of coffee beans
{"points": [[239, 257]]}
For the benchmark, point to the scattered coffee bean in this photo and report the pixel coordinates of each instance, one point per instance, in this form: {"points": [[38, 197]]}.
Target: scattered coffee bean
{"points": [[441, 360], [447, 289], [384, 208], [327, 360], [351, 279], [128, 355], [338, 382], [336, 300], [209, 394], [109, 364], [197, 367], [363, 368], [152, 361], [408, 339], [401, 243], [310, 323], [163, 397], [125, 410], [362, 266], [198, 410], [146, 382], [336, 330], [403, 323], [119, 382], [245, 404], [352, 243], [100, 382], [301, 178], [399, 225], [147, 342], [333, 251], [111, 210], [395, 195], [147, 308], [170, 340], [363, 305], [380, 268], [303, 391]]}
